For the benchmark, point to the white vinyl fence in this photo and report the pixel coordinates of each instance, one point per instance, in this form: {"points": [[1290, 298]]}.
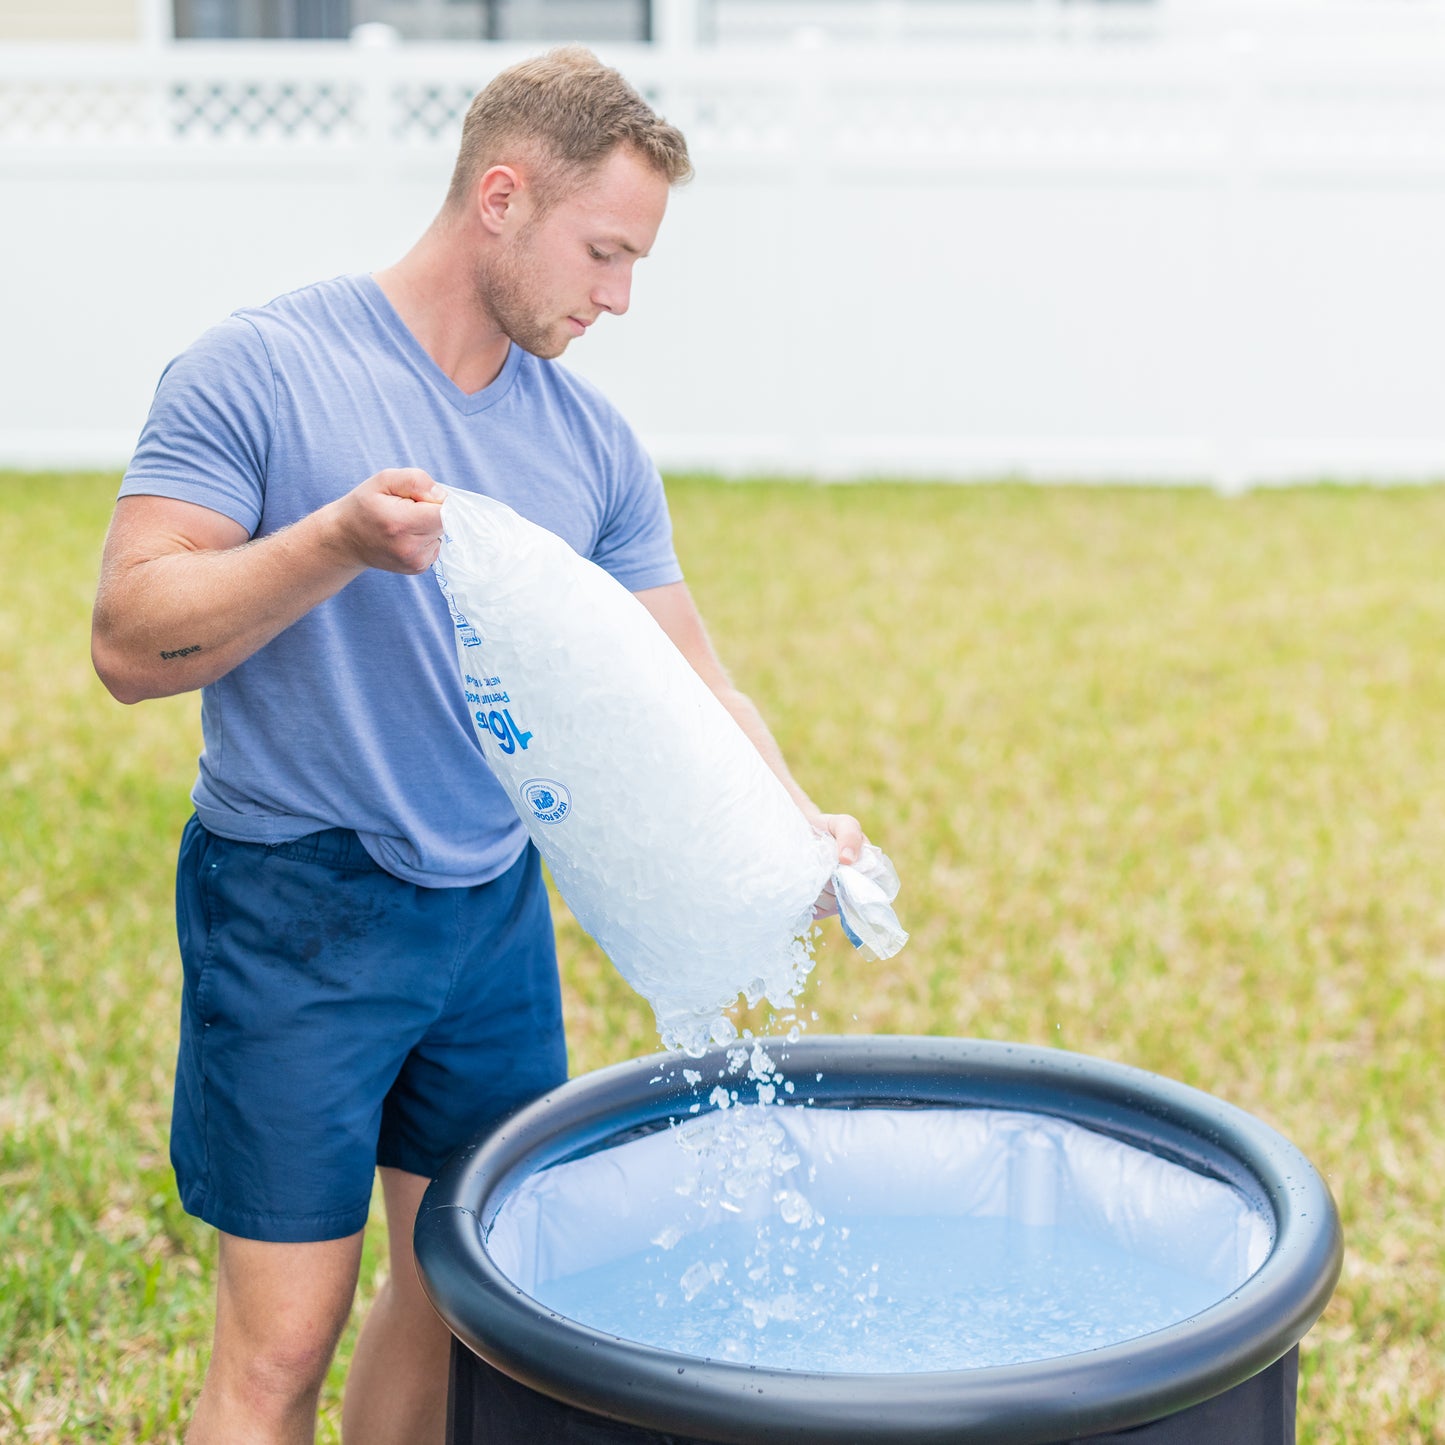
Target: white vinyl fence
{"points": [[1181, 254]]}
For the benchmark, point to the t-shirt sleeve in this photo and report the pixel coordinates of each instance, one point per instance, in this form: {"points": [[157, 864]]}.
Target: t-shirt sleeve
{"points": [[635, 545], [209, 430]]}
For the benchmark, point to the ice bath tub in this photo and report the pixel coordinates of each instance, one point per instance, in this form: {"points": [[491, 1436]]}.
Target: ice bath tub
{"points": [[1162, 1251]]}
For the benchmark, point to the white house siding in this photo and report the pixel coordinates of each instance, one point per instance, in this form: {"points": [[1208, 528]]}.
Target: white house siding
{"points": [[70, 20]]}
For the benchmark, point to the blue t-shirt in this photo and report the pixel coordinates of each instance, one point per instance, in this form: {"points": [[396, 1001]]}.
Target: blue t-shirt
{"points": [[354, 716]]}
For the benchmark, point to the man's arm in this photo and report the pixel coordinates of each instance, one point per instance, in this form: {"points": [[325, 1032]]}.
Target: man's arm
{"points": [[184, 596], [676, 613]]}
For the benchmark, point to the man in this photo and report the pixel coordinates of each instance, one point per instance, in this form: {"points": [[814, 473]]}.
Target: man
{"points": [[369, 973]]}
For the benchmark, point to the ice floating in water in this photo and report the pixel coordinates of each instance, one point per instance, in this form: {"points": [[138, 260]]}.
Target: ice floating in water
{"points": [[872, 1240], [884, 1295]]}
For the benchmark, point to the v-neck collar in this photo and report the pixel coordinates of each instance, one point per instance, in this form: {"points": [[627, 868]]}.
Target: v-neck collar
{"points": [[467, 402]]}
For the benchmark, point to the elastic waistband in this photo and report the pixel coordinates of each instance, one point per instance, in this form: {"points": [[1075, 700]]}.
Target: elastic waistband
{"points": [[330, 847], [333, 847]]}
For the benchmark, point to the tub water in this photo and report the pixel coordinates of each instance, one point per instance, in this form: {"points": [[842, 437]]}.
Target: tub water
{"points": [[939, 1294], [882, 1239]]}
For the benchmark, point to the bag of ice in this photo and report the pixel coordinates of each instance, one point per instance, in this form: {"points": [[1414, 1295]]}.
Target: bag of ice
{"points": [[670, 839]]}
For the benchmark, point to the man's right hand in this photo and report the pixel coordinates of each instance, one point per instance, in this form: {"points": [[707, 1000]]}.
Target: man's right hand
{"points": [[391, 521]]}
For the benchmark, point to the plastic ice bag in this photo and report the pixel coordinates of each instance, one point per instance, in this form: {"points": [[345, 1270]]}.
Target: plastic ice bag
{"points": [[672, 842]]}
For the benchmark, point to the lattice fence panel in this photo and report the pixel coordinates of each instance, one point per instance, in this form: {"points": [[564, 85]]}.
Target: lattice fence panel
{"points": [[424, 113], [972, 121], [1384, 122], [746, 119], [77, 112], [286, 111]]}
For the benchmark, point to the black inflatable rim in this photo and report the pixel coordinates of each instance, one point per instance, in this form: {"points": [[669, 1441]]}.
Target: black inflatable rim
{"points": [[1132, 1383]]}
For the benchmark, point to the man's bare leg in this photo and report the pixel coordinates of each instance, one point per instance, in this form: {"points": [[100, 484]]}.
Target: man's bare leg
{"points": [[396, 1393], [280, 1309]]}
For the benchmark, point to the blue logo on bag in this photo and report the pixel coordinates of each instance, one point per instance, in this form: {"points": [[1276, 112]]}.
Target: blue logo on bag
{"points": [[548, 801]]}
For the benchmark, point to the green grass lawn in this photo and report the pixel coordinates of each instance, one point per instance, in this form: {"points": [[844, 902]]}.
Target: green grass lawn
{"points": [[1163, 774]]}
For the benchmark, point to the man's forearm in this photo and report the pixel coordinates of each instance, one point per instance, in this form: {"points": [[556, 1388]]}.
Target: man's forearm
{"points": [[177, 620], [184, 596]]}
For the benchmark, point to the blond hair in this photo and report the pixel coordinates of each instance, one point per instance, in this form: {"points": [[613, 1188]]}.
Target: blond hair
{"points": [[562, 114]]}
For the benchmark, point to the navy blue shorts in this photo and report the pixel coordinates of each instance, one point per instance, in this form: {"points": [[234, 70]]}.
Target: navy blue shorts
{"points": [[335, 1018]]}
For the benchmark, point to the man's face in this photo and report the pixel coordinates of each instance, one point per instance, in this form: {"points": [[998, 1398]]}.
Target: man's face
{"points": [[559, 272]]}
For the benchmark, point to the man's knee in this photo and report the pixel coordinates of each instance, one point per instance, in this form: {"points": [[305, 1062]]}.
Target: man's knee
{"points": [[280, 1311], [284, 1370]]}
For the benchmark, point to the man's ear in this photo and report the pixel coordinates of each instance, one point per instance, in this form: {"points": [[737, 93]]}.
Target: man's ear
{"points": [[500, 199]]}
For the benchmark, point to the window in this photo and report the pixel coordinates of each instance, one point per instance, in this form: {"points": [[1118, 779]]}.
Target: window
{"points": [[263, 19], [523, 20]]}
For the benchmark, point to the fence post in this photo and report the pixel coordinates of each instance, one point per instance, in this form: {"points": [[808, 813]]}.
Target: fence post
{"points": [[812, 153], [675, 27], [375, 45], [1236, 304], [675, 36], [155, 22]]}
